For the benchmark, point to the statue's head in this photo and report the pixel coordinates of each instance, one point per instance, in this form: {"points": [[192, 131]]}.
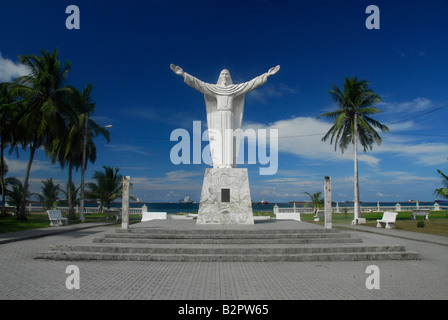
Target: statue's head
{"points": [[224, 78]]}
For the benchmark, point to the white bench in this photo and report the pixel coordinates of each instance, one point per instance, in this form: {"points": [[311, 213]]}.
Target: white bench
{"points": [[420, 212], [287, 216], [319, 214], [112, 212], [147, 216], [388, 220], [56, 218]]}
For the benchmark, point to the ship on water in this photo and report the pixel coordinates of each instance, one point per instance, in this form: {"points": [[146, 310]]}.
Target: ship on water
{"points": [[187, 199], [261, 202]]}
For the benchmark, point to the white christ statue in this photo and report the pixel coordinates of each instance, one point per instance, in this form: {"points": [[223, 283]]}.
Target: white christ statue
{"points": [[225, 106]]}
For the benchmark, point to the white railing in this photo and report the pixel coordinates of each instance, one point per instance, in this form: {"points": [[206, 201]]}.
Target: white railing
{"points": [[34, 208], [337, 209], [294, 209]]}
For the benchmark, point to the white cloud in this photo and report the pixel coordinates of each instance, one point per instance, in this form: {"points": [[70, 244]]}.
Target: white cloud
{"points": [[422, 153], [9, 70], [181, 175], [402, 126], [302, 136], [173, 186], [18, 167], [123, 148], [416, 105]]}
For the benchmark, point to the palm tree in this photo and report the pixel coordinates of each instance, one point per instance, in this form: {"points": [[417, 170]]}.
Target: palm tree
{"points": [[316, 200], [74, 193], [44, 96], [107, 188], [50, 193], [7, 101], [353, 124], [6, 182], [442, 192], [15, 195], [68, 149]]}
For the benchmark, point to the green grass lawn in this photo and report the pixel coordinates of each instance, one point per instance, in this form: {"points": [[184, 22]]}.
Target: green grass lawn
{"points": [[437, 223], [40, 220]]}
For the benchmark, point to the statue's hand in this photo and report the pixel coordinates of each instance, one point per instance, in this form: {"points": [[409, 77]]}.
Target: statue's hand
{"points": [[176, 69], [273, 71]]}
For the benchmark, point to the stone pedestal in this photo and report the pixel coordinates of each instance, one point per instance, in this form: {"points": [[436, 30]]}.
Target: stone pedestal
{"points": [[225, 197]]}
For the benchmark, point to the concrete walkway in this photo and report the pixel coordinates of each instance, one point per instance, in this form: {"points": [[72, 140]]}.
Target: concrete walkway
{"points": [[23, 277]]}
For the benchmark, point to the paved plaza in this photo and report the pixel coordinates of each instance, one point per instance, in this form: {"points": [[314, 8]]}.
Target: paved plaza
{"points": [[23, 277]]}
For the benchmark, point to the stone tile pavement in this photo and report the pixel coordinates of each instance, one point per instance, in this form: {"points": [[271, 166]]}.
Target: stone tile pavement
{"points": [[24, 278]]}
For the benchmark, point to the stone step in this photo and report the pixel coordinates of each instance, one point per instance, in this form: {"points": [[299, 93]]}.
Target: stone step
{"points": [[226, 241], [229, 237], [224, 250], [223, 236], [356, 256], [216, 231], [146, 244]]}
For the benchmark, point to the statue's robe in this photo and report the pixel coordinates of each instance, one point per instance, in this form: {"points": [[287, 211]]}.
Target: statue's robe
{"points": [[225, 108]]}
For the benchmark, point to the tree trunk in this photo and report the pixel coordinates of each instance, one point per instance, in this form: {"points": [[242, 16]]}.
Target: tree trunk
{"points": [[71, 210], [357, 206], [83, 169], [2, 177], [22, 213]]}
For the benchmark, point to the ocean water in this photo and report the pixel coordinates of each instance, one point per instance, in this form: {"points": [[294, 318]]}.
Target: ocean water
{"points": [[194, 207]]}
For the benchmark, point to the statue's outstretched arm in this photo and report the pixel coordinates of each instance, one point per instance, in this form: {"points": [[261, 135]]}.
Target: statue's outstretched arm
{"points": [[273, 71], [258, 81], [177, 70], [193, 82]]}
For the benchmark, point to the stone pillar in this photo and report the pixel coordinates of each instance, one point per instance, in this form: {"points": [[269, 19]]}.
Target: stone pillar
{"points": [[328, 209], [125, 203], [275, 209]]}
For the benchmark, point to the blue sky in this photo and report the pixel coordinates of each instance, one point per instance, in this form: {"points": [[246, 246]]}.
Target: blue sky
{"points": [[124, 48]]}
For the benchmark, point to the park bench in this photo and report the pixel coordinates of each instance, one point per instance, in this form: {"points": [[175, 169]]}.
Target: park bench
{"points": [[10, 209], [112, 213], [388, 220], [56, 218], [147, 216], [420, 212], [319, 214], [288, 216]]}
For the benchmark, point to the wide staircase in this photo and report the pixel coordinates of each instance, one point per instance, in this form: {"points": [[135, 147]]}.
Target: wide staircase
{"points": [[145, 244]]}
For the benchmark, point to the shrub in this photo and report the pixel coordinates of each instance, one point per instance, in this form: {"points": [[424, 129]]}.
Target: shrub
{"points": [[421, 222]]}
